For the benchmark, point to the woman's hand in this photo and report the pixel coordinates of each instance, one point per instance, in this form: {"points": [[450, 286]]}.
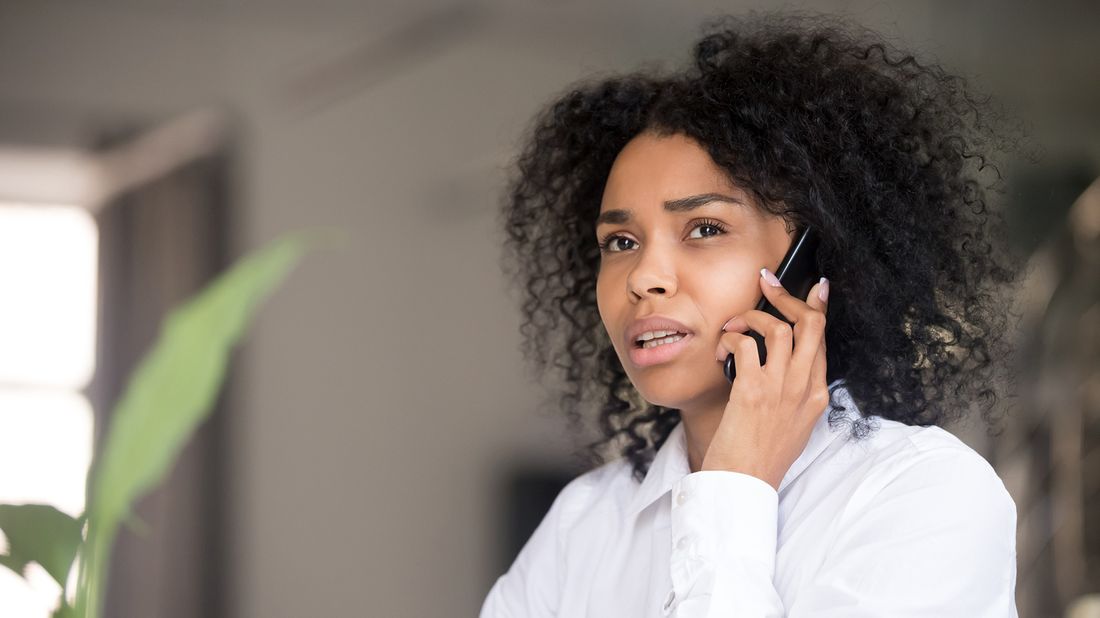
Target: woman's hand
{"points": [[772, 408]]}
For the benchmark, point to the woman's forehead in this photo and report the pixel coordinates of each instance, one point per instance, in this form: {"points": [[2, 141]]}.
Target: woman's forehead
{"points": [[651, 170], [689, 203]]}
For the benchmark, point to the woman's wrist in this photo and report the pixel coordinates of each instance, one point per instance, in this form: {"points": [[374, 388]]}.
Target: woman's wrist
{"points": [[742, 468]]}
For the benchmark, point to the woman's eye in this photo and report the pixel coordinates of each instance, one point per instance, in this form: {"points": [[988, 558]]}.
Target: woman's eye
{"points": [[714, 225], [611, 243], [614, 243]]}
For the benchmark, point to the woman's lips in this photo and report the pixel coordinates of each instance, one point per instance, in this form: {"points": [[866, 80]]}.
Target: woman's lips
{"points": [[644, 357]]}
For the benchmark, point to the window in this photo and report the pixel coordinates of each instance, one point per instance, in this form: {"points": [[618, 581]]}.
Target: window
{"points": [[48, 296]]}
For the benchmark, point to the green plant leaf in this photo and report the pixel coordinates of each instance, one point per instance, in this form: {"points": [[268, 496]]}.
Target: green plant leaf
{"points": [[170, 393], [13, 563], [174, 388], [40, 533]]}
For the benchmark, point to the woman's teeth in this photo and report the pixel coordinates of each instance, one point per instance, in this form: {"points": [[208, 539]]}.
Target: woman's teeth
{"points": [[652, 343], [657, 334]]}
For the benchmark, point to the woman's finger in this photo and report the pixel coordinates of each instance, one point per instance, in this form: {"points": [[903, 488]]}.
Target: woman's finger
{"points": [[818, 382], [809, 331], [818, 296], [778, 339], [793, 309], [746, 358], [818, 371]]}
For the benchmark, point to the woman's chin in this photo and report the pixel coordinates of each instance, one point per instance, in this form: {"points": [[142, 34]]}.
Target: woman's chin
{"points": [[678, 398], [685, 383], [678, 394]]}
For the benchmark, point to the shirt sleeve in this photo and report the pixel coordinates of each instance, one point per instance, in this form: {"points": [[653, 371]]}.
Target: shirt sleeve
{"points": [[937, 538], [531, 587]]}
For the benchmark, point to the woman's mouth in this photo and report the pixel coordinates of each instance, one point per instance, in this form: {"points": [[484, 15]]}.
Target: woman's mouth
{"points": [[659, 348]]}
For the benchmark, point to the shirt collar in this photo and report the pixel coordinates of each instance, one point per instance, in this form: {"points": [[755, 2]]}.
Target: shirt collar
{"points": [[670, 464]]}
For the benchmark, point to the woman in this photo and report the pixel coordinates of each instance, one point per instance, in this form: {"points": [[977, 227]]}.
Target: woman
{"points": [[646, 220]]}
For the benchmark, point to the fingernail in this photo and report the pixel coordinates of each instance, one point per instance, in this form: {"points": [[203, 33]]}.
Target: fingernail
{"points": [[769, 277], [732, 323], [823, 291]]}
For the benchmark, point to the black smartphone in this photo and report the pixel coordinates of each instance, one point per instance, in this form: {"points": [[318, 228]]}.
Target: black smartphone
{"points": [[798, 273]]}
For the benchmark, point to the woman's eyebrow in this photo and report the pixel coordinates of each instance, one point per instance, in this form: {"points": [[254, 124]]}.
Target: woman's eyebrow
{"points": [[682, 204]]}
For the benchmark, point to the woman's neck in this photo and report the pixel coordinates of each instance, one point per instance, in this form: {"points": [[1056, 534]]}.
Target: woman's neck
{"points": [[700, 425]]}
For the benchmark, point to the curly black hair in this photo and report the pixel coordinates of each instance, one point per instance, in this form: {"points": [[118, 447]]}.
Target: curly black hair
{"points": [[823, 123]]}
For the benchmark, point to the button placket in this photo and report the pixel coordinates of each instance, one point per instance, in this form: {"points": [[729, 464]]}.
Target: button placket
{"points": [[687, 559], [685, 542], [670, 599]]}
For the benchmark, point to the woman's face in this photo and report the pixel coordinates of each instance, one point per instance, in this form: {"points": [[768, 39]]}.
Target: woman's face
{"points": [[696, 261]]}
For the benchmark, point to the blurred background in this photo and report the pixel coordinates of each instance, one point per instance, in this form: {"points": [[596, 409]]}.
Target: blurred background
{"points": [[379, 448]]}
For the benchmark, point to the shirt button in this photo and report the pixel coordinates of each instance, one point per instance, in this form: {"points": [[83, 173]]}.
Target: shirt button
{"points": [[681, 498], [668, 601], [682, 543]]}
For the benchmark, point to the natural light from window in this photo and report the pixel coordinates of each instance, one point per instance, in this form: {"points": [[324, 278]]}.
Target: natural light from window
{"points": [[48, 296]]}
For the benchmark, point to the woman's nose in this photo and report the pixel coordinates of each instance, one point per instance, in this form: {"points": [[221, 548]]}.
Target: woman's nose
{"points": [[652, 276]]}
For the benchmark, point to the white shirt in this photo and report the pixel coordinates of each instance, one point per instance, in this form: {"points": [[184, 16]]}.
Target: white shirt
{"points": [[908, 522]]}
